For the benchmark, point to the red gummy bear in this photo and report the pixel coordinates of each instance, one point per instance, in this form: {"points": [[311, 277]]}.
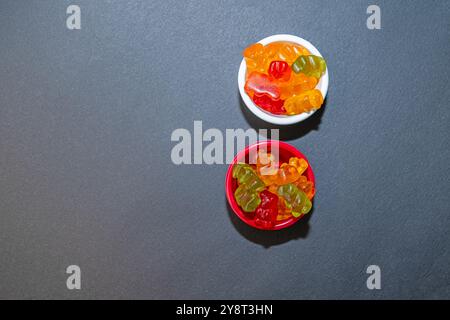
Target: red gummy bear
{"points": [[267, 103], [267, 211], [280, 70], [260, 83]]}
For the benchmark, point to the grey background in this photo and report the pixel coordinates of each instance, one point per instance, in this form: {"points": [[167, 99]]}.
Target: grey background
{"points": [[86, 176]]}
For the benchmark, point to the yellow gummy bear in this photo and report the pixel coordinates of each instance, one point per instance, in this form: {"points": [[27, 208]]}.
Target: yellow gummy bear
{"points": [[300, 164], [304, 102]]}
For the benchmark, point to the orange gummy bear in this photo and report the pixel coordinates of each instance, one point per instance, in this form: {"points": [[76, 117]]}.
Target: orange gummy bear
{"points": [[258, 57], [285, 51], [286, 174], [266, 168], [300, 164], [304, 102], [298, 83], [274, 176], [306, 186], [255, 58], [283, 211]]}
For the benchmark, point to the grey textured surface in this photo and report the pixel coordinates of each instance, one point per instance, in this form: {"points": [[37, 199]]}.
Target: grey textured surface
{"points": [[86, 176]]}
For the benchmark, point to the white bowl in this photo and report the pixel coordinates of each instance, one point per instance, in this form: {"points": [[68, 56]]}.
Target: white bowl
{"points": [[281, 119]]}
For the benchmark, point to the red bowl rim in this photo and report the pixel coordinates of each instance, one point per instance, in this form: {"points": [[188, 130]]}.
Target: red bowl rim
{"points": [[284, 148]]}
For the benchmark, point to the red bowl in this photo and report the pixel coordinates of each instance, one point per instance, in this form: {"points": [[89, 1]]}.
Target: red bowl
{"points": [[285, 152]]}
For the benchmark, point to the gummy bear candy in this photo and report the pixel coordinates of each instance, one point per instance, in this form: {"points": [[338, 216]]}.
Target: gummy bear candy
{"points": [[255, 58], [260, 83], [310, 65], [258, 57], [297, 84], [299, 163], [285, 51], [264, 158], [266, 167], [271, 84], [304, 102], [267, 103], [246, 198], [267, 211], [306, 186], [283, 211], [273, 188], [279, 70], [302, 180], [295, 199], [286, 174], [247, 176], [274, 176], [247, 194]]}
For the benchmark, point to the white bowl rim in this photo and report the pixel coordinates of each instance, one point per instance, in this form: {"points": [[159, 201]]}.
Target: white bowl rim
{"points": [[281, 119]]}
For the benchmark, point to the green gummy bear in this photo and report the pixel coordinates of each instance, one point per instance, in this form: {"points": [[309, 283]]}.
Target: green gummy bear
{"points": [[250, 185], [295, 198], [246, 198], [245, 175], [312, 66]]}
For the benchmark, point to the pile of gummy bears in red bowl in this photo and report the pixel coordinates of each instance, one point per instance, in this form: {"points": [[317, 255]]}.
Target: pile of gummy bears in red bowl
{"points": [[270, 185], [282, 76]]}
